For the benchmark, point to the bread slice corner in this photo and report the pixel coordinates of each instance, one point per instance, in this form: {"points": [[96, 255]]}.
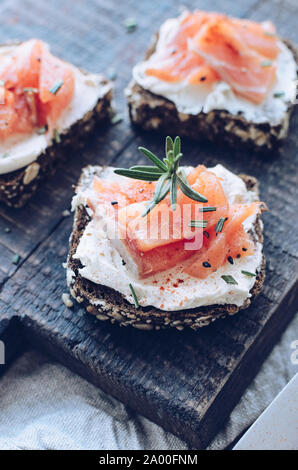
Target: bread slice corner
{"points": [[107, 304]]}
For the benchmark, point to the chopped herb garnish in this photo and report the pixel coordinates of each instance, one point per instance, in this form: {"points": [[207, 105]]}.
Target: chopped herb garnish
{"points": [[30, 90], [7, 230], [220, 224], [268, 33], [42, 130], [56, 87], [111, 74], [206, 264], [130, 24], [16, 259], [2, 82], [229, 279], [279, 94], [207, 209], [116, 118], [134, 296], [230, 260], [247, 273], [57, 137], [266, 63], [166, 172], [198, 223]]}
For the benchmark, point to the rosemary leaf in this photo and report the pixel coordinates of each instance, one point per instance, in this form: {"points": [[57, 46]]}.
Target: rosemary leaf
{"points": [[153, 158], [177, 146], [139, 175], [169, 144], [174, 192], [189, 192], [148, 169]]}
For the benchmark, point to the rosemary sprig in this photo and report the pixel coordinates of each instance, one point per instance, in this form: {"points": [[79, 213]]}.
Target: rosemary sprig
{"points": [[166, 172]]}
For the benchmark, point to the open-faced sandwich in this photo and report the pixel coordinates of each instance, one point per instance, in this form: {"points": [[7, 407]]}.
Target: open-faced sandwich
{"points": [[45, 105], [218, 78], [165, 245]]}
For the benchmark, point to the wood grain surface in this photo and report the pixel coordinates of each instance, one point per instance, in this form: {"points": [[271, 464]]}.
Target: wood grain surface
{"points": [[186, 381]]}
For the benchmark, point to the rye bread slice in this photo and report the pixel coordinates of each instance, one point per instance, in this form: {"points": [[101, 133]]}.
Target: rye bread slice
{"points": [[152, 112], [107, 304], [18, 186]]}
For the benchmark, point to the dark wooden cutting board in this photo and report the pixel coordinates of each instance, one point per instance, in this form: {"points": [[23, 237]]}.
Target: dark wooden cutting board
{"points": [[187, 381]]}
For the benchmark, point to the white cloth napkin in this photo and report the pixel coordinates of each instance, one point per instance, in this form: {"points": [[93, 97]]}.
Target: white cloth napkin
{"points": [[45, 406]]}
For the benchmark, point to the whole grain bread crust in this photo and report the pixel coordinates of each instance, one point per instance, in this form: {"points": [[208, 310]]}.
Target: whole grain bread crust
{"points": [[18, 186], [153, 112], [107, 304]]}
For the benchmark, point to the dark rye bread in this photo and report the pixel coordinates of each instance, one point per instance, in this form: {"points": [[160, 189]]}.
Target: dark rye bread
{"points": [[154, 112], [108, 304], [18, 186]]}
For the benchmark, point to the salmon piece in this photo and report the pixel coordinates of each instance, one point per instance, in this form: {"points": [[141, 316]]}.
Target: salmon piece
{"points": [[209, 47], [229, 242], [161, 258], [24, 68], [257, 36], [178, 62], [228, 51], [54, 71], [15, 114], [128, 192]]}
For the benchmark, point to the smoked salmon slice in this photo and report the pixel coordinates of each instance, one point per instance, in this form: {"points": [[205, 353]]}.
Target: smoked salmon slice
{"points": [[38, 87], [159, 240], [208, 47]]}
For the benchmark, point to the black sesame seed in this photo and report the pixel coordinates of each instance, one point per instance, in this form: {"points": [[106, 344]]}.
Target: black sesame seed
{"points": [[114, 203], [206, 234], [238, 256], [123, 262], [244, 249], [206, 264], [230, 260], [202, 79]]}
